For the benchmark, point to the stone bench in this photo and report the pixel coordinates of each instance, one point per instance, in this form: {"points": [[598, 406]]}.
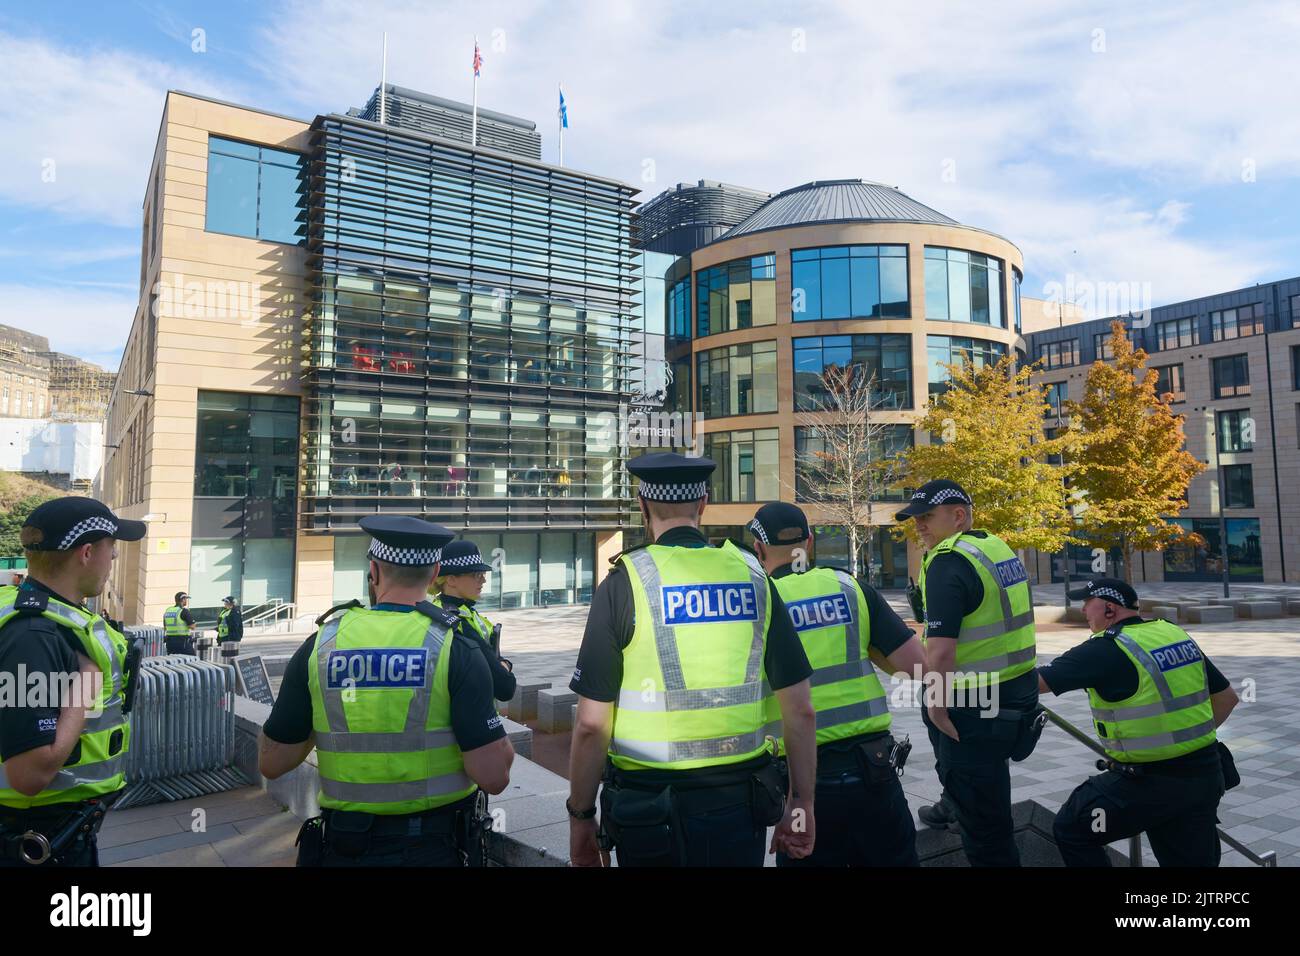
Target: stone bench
{"points": [[1168, 612], [1259, 609], [1292, 605], [1210, 614], [555, 709], [523, 706], [521, 737]]}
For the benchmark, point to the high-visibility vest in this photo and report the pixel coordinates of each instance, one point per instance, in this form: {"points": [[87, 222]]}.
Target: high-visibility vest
{"points": [[107, 735], [830, 613], [173, 624], [480, 625], [996, 640], [381, 711], [1170, 712], [223, 626], [692, 691]]}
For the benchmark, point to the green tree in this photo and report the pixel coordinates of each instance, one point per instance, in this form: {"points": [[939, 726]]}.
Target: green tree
{"points": [[987, 432], [1133, 471], [19, 496]]}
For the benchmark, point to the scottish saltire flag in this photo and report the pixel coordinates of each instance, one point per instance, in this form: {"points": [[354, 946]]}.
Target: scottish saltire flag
{"points": [[564, 111], [478, 58]]}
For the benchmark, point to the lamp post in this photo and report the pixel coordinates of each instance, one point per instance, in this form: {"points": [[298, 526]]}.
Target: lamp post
{"points": [[1223, 527]]}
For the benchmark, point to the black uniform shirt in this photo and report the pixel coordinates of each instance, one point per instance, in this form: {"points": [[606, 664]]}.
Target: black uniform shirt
{"points": [[611, 622], [952, 590], [474, 719], [1099, 663], [503, 681], [187, 617], [888, 632], [37, 645]]}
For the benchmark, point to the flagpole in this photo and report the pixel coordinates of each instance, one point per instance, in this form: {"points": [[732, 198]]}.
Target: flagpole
{"points": [[383, 82], [559, 118], [473, 133]]}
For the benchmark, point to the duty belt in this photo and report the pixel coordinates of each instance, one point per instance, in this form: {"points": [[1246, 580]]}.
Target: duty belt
{"points": [[40, 834]]}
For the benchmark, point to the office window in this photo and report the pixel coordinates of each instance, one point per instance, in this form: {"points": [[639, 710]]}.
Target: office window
{"points": [[737, 380], [1101, 348], [1169, 378], [1231, 376], [843, 282], [1190, 562], [1060, 354], [1237, 323], [748, 465], [1015, 292], [1057, 392], [944, 350], [886, 358], [256, 191], [1175, 334], [1295, 367], [1238, 488], [739, 294], [1236, 431], [1295, 311], [963, 286], [679, 309]]}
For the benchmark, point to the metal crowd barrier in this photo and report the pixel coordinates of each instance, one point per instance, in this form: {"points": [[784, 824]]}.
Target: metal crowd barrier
{"points": [[151, 636], [182, 731]]}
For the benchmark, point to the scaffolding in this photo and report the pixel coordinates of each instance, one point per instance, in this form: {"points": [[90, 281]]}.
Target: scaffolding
{"points": [[79, 391]]}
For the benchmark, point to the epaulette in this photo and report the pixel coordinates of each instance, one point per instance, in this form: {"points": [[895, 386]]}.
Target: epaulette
{"points": [[614, 559], [347, 606], [438, 615], [1112, 632], [31, 601]]}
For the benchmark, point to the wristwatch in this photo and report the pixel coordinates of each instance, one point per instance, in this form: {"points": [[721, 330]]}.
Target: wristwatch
{"points": [[579, 814]]}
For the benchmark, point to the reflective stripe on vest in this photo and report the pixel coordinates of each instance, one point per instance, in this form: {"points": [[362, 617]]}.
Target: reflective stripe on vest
{"points": [[223, 625], [98, 772], [1145, 728], [414, 738], [995, 642], [627, 748], [173, 624], [837, 718]]}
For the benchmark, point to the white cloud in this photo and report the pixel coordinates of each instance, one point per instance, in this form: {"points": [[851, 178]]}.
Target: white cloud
{"points": [[90, 323]]}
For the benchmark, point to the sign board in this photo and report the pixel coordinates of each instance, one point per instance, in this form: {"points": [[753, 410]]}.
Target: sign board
{"points": [[254, 682]]}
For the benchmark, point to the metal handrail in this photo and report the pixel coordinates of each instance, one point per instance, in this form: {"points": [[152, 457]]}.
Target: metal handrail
{"points": [[1267, 858], [272, 615]]}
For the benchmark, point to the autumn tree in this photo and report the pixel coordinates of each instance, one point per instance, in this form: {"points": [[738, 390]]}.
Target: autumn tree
{"points": [[1133, 471], [987, 433], [850, 461]]}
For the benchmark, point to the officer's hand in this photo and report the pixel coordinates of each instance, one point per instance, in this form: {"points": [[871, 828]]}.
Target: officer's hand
{"points": [[939, 717], [795, 834], [583, 849]]}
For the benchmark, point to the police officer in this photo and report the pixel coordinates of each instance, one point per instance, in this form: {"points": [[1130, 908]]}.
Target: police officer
{"points": [[1156, 701], [670, 684], [457, 588], [398, 706], [230, 622], [862, 814], [60, 760], [982, 696], [178, 626]]}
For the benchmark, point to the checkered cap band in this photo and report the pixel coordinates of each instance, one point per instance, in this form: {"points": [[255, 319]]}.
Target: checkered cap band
{"points": [[691, 491], [86, 526], [412, 557], [464, 561], [757, 527], [1109, 594], [946, 493]]}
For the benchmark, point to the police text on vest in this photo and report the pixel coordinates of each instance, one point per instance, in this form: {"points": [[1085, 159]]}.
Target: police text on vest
{"points": [[812, 613], [709, 603], [73, 909], [1176, 655], [378, 667]]}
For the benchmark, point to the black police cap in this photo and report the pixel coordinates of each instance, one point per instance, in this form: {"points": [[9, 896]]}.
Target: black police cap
{"points": [[779, 522], [941, 491], [463, 557], [668, 476], [67, 523], [398, 539], [1108, 589]]}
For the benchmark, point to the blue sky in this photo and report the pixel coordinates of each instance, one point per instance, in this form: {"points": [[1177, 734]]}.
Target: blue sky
{"points": [[1153, 143]]}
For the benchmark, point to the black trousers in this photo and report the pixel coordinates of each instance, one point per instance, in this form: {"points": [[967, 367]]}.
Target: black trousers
{"points": [[399, 851], [860, 824], [976, 775], [712, 836], [180, 645], [1177, 813], [427, 839]]}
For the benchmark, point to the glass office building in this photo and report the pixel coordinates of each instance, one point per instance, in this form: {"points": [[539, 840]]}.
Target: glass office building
{"points": [[467, 352]]}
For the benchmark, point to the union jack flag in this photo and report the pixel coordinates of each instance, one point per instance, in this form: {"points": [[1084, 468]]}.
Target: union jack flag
{"points": [[478, 58]]}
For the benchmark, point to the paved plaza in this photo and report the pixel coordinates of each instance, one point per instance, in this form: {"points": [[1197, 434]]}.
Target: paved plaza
{"points": [[1260, 657]]}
